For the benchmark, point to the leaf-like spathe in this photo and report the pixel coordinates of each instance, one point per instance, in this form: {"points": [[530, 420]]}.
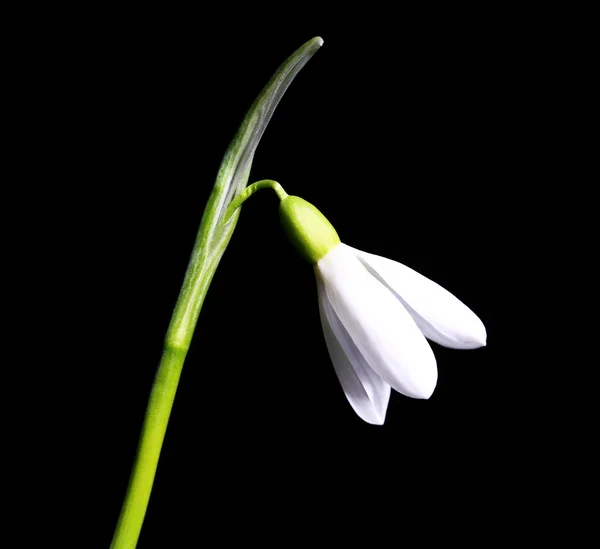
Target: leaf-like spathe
{"points": [[215, 229]]}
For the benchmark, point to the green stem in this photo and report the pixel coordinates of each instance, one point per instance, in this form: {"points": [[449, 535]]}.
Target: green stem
{"points": [[215, 231], [151, 439], [199, 275], [250, 190]]}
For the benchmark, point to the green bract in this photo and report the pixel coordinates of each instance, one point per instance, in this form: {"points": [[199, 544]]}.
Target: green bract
{"points": [[307, 228]]}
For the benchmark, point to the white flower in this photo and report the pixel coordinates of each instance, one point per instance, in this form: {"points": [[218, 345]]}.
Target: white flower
{"points": [[375, 315]]}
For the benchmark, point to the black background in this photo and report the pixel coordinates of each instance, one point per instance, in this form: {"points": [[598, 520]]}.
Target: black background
{"points": [[400, 133]]}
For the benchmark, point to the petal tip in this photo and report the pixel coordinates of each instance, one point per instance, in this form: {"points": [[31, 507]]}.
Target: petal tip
{"points": [[425, 393], [480, 338], [421, 391], [374, 419], [474, 338], [423, 388]]}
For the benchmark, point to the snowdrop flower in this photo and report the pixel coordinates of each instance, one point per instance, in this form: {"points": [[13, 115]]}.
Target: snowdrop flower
{"points": [[376, 315]]}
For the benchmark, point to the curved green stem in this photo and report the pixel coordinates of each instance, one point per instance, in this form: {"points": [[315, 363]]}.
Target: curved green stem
{"points": [[216, 228], [250, 190]]}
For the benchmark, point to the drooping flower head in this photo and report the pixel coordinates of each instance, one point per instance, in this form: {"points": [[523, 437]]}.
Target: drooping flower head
{"points": [[376, 315]]}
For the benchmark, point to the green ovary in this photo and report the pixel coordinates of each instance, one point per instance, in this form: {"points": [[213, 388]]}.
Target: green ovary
{"points": [[307, 228]]}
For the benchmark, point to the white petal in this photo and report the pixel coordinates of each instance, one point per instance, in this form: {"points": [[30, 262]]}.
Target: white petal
{"points": [[441, 316], [379, 325], [366, 392]]}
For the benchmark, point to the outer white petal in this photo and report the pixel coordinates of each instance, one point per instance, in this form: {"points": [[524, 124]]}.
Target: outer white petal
{"points": [[366, 392], [441, 316], [379, 325]]}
